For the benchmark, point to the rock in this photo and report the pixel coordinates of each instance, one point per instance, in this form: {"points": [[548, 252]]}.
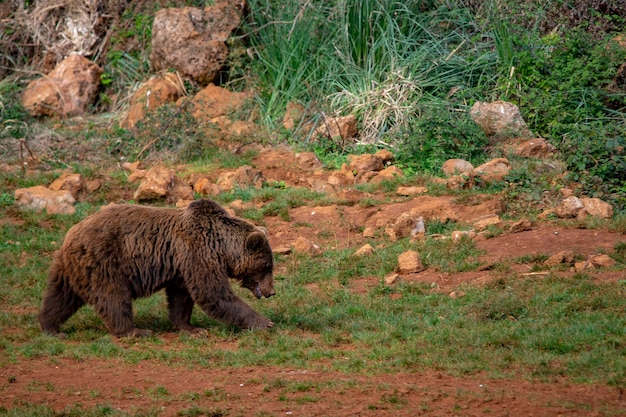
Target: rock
{"points": [[391, 233], [411, 191], [597, 208], [66, 91], [180, 190], [564, 257], [385, 156], [546, 214], [364, 250], [294, 113], [213, 102], [205, 187], [342, 177], [409, 262], [233, 128], [156, 184], [308, 161], [192, 40], [409, 224], [458, 235], [133, 166], [365, 163], [520, 226], [304, 245], [458, 182], [321, 186], [583, 266], [569, 207], [245, 176], [456, 166], [137, 174], [92, 185], [387, 174], [535, 148], [39, 198], [282, 250], [158, 90], [499, 118], [338, 128], [485, 221], [70, 182], [237, 205], [392, 278], [601, 261], [369, 232], [494, 170]]}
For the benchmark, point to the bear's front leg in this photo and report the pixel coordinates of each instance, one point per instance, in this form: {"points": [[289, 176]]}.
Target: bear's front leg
{"points": [[232, 310]]}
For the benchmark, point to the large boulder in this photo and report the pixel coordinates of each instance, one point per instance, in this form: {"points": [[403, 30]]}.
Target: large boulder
{"points": [[456, 166], [493, 170], [66, 91], [156, 184], [158, 90], [499, 118], [339, 128], [40, 198], [192, 40], [213, 102]]}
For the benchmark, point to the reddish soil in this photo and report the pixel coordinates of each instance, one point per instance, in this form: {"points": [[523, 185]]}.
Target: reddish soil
{"points": [[253, 391]]}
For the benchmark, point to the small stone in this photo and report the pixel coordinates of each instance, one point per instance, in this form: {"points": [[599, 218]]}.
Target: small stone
{"points": [[392, 278], [457, 235], [304, 245], [369, 232], [410, 191], [237, 205], [601, 261], [486, 221], [409, 262], [364, 250], [520, 226], [569, 207], [563, 257], [282, 250]]}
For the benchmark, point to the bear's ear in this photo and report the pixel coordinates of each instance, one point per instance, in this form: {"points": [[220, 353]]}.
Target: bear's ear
{"points": [[255, 241]]}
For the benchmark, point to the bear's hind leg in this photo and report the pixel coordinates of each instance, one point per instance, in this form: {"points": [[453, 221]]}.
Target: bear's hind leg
{"points": [[60, 302], [180, 305], [116, 310]]}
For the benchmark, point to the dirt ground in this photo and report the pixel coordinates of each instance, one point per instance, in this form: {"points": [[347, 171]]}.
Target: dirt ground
{"points": [[250, 392]]}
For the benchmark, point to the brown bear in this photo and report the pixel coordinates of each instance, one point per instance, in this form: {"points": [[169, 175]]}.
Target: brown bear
{"points": [[127, 251]]}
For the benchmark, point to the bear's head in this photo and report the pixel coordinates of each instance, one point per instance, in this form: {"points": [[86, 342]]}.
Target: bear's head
{"points": [[256, 271]]}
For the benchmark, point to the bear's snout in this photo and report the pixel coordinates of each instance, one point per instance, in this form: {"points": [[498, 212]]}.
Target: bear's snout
{"points": [[264, 289]]}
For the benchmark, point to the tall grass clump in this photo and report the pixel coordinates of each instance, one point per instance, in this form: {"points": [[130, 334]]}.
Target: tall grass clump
{"points": [[384, 61], [290, 46], [393, 57]]}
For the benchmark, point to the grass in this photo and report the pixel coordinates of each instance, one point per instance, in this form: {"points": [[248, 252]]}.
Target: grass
{"points": [[512, 328]]}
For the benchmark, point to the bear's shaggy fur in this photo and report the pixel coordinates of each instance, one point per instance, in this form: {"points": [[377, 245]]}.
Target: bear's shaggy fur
{"points": [[124, 252]]}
